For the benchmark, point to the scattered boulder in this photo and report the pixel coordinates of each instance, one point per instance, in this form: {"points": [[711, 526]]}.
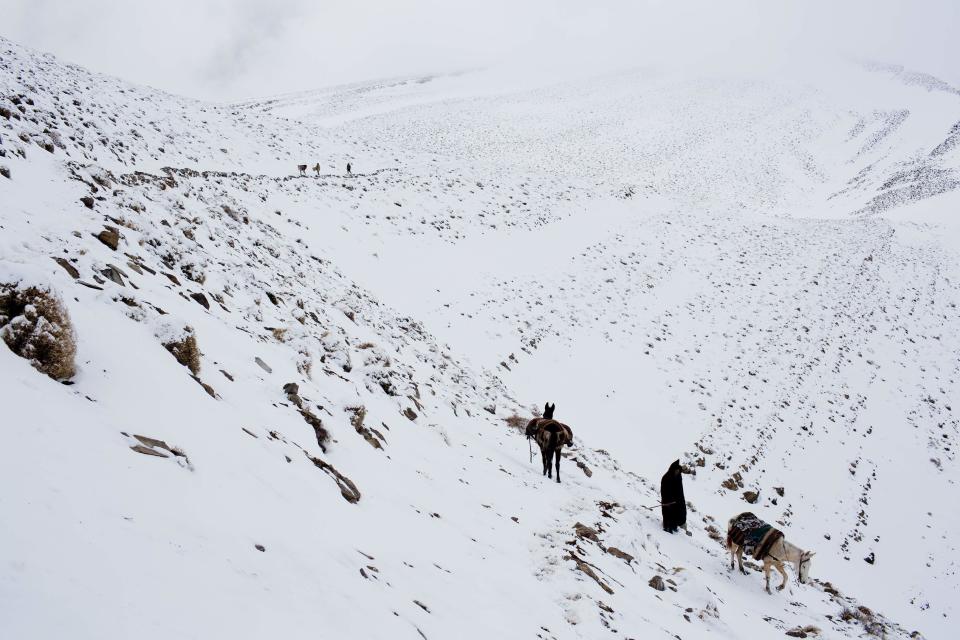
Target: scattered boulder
{"points": [[69, 268], [656, 582], [585, 567], [5, 171], [201, 299], [410, 414], [35, 325], [356, 421], [348, 489], [617, 553], [88, 203], [583, 531], [751, 496], [263, 365], [110, 236], [114, 274], [210, 390], [147, 451]]}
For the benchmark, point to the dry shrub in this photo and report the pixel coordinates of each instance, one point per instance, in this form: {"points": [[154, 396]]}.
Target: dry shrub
{"points": [[280, 333], [35, 325], [186, 351], [516, 421]]}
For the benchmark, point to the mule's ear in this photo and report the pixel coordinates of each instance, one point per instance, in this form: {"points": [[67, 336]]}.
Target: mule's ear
{"points": [[553, 406]]}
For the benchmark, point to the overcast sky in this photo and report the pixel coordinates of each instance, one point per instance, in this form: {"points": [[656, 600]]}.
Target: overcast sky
{"points": [[235, 49]]}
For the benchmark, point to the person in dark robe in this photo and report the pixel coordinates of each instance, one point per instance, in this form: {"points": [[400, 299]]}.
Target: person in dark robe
{"points": [[671, 499], [348, 168]]}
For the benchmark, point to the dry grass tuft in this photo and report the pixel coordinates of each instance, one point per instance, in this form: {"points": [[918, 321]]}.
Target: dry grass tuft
{"points": [[186, 351], [35, 325], [516, 421]]}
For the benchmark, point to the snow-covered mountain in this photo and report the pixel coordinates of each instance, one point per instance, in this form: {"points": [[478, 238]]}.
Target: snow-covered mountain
{"points": [[756, 275]]}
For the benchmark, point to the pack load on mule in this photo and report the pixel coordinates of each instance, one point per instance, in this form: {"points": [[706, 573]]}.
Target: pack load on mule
{"points": [[672, 503], [747, 532], [753, 534], [550, 436]]}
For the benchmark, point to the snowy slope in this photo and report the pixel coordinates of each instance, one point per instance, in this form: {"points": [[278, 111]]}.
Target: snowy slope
{"points": [[660, 278]]}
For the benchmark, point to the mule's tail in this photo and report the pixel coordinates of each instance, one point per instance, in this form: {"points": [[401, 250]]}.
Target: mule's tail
{"points": [[553, 440]]}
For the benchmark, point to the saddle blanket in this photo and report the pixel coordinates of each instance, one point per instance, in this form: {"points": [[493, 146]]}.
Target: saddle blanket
{"points": [[753, 534]]}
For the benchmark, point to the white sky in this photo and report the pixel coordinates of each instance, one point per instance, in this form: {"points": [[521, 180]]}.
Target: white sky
{"points": [[235, 49]]}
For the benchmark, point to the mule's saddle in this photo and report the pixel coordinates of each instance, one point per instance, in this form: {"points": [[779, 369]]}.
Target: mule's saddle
{"points": [[753, 534]]}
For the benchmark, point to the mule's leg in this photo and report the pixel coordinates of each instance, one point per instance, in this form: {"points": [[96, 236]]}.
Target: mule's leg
{"points": [[766, 573], [545, 459], [783, 572], [740, 560], [556, 454], [730, 549]]}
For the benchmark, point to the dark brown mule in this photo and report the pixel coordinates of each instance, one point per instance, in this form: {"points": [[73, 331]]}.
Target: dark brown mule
{"points": [[550, 436]]}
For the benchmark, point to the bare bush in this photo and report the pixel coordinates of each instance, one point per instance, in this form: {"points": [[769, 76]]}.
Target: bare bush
{"points": [[186, 351], [35, 325]]}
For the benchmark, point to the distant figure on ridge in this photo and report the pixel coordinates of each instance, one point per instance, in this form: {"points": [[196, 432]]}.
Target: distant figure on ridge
{"points": [[348, 168], [671, 499], [303, 169], [316, 168]]}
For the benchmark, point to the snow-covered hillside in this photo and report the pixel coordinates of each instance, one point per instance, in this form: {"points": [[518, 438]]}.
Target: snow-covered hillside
{"points": [[758, 276]]}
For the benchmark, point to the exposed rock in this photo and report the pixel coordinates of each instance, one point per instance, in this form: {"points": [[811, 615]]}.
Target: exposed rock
{"points": [[210, 391], [356, 421], [585, 567], [263, 365], [323, 436], [291, 388], [110, 236], [348, 489], [656, 582], [617, 553], [88, 203], [259, 547], [410, 413], [69, 268], [201, 299], [583, 531], [139, 448], [114, 274], [751, 496], [5, 171], [583, 467]]}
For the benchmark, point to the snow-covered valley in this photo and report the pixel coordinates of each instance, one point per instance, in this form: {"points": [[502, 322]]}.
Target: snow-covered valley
{"points": [[758, 276]]}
